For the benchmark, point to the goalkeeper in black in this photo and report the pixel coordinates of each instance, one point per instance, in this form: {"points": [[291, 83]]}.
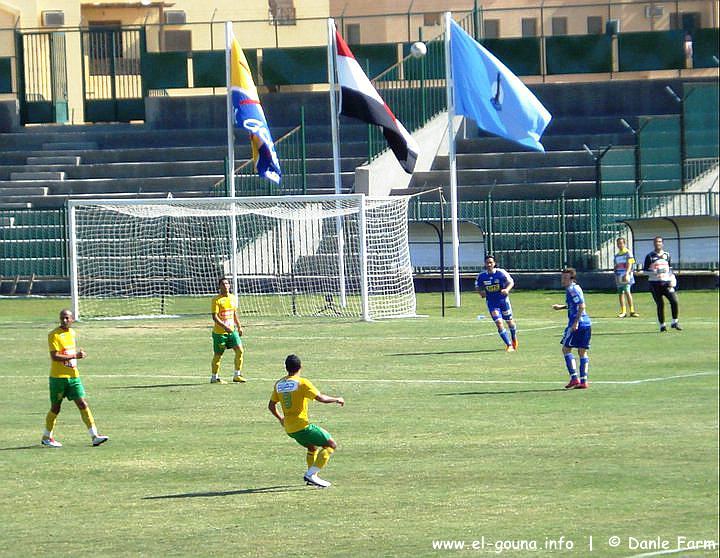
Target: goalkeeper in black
{"points": [[662, 283]]}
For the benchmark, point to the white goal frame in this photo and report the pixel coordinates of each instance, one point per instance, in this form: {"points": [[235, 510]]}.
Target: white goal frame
{"points": [[403, 271]]}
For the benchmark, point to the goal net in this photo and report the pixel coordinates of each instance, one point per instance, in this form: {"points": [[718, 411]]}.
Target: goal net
{"points": [[339, 256]]}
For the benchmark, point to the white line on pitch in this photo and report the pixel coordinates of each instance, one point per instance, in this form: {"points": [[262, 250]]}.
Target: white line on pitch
{"points": [[669, 551], [415, 381]]}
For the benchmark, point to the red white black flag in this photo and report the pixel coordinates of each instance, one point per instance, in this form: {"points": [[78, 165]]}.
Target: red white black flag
{"points": [[359, 99]]}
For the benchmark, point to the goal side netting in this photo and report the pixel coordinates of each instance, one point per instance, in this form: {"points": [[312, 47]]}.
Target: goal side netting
{"points": [[338, 256]]}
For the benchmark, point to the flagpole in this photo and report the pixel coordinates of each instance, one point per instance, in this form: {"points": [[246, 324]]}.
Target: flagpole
{"points": [[336, 154], [452, 161], [231, 154]]}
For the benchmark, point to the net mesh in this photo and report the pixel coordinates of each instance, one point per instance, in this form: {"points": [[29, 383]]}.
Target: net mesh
{"points": [[294, 256]]}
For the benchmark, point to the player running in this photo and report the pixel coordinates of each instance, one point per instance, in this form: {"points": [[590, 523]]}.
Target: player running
{"points": [[293, 394], [226, 332], [624, 278], [494, 285], [65, 380], [577, 333]]}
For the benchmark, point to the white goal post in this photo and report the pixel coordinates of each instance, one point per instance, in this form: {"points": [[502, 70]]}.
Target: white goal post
{"points": [[337, 255]]}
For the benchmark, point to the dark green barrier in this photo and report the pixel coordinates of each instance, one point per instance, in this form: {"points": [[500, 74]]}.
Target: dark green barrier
{"points": [[6, 75], [705, 46], [294, 66], [430, 66], [209, 67], [651, 50], [374, 59], [165, 70], [580, 54], [522, 56]]}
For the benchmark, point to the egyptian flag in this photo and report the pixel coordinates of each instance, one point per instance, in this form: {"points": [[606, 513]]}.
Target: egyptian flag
{"points": [[249, 115], [359, 99]]}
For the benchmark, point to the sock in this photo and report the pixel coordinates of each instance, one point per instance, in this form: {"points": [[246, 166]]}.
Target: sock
{"points": [[632, 308], [584, 366], [310, 457], [674, 321], [50, 421], [215, 367], [622, 309], [662, 324], [312, 470], [238, 361], [513, 333], [570, 364], [93, 431], [504, 336], [87, 417], [323, 457]]}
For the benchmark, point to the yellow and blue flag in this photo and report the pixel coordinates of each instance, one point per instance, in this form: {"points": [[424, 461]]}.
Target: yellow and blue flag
{"points": [[489, 93], [248, 115]]}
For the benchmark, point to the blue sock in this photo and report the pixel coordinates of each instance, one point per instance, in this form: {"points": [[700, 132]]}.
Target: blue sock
{"points": [[504, 336], [513, 333], [570, 364], [584, 366]]}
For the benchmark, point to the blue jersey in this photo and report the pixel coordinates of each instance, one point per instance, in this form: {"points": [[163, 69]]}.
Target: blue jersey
{"points": [[492, 284], [574, 298]]}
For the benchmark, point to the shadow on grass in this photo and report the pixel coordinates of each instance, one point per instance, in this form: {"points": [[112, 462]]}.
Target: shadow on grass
{"points": [[424, 353], [261, 490], [34, 446], [506, 392], [152, 386]]}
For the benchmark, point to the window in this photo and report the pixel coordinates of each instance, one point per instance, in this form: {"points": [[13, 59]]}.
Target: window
{"points": [[529, 27], [595, 25], [686, 21], [352, 33], [281, 12], [559, 26], [491, 28], [104, 43], [431, 19]]}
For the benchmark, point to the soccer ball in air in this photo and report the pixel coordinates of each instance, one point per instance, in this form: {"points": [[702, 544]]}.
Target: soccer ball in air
{"points": [[418, 50]]}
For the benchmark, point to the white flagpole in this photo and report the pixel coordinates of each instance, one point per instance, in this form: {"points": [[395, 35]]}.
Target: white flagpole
{"points": [[332, 53], [452, 161], [231, 155]]}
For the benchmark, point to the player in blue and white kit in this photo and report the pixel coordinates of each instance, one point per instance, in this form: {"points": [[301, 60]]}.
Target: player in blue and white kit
{"points": [[578, 331], [494, 285]]}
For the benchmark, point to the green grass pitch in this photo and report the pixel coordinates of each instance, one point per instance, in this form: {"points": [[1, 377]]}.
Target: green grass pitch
{"points": [[444, 437]]}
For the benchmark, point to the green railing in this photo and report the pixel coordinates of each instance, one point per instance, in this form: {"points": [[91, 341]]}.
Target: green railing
{"points": [[33, 241], [546, 234], [291, 152]]}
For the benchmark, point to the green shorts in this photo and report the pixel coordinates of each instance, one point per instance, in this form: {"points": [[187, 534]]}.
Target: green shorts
{"points": [[222, 341], [60, 388], [623, 288], [311, 435]]}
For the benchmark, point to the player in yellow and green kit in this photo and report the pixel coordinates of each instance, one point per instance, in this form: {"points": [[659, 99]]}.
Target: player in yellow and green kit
{"points": [[226, 331], [293, 394], [65, 380]]}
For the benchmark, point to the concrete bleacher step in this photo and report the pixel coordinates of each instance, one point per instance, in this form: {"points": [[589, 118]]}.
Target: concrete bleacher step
{"points": [[69, 146], [517, 160], [70, 160], [479, 177], [37, 175], [54, 201], [26, 191], [547, 190], [15, 204]]}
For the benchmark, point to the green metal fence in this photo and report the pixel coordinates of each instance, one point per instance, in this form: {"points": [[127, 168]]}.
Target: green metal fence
{"points": [[33, 241], [546, 234]]}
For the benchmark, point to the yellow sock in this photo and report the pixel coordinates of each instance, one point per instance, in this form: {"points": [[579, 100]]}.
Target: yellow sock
{"points": [[50, 421], [632, 308], [239, 360], [323, 457], [622, 309], [311, 456], [87, 417], [216, 363]]}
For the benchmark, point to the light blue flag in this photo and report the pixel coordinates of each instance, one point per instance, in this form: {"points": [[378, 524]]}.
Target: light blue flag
{"points": [[489, 93]]}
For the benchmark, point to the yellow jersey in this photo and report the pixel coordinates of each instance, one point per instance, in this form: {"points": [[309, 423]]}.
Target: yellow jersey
{"points": [[62, 341], [293, 394], [224, 307]]}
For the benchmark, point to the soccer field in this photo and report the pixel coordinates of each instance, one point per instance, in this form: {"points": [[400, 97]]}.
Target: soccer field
{"points": [[444, 440]]}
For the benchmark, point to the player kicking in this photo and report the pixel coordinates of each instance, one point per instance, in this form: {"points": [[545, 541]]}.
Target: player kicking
{"points": [[226, 332], [494, 285], [577, 333], [293, 394], [65, 381]]}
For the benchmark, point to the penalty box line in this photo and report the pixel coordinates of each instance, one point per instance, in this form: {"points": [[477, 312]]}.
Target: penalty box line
{"points": [[421, 381]]}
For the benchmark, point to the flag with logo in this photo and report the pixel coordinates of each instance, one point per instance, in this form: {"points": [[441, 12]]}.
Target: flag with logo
{"points": [[489, 93], [249, 116]]}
